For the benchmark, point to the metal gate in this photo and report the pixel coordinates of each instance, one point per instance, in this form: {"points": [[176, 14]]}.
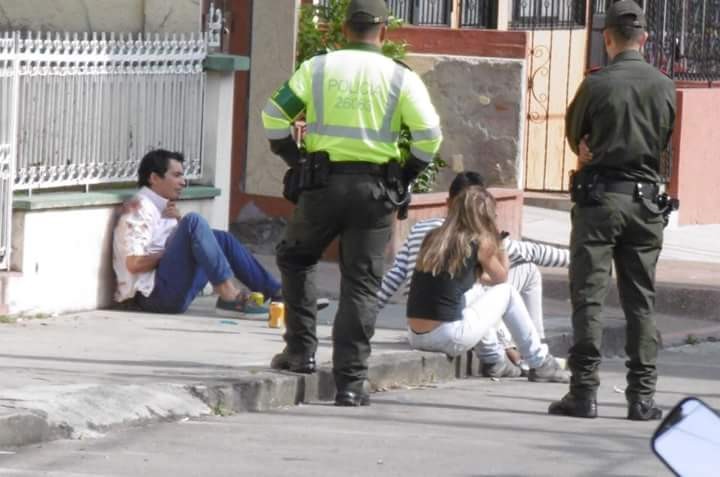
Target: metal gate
{"points": [[8, 138], [555, 69]]}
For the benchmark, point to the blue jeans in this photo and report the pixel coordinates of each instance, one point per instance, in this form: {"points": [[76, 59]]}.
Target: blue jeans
{"points": [[196, 254]]}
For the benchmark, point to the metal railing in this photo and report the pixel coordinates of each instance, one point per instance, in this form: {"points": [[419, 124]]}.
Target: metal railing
{"points": [[478, 14], [415, 12], [548, 14], [89, 107], [8, 105], [684, 38]]}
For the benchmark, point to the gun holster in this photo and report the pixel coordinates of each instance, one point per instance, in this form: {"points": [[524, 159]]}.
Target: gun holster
{"points": [[311, 172], [667, 205], [291, 184], [586, 189], [397, 190]]}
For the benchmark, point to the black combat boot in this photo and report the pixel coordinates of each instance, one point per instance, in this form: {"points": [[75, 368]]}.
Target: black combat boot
{"points": [[295, 363], [353, 395], [644, 410], [574, 407]]}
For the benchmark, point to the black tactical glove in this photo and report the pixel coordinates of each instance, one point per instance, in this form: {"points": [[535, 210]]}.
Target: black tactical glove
{"points": [[412, 168], [287, 149]]}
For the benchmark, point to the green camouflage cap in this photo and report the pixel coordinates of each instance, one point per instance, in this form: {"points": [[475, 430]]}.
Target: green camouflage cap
{"points": [[625, 13], [367, 11]]}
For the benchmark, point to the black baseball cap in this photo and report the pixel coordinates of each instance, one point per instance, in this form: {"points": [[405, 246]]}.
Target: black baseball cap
{"points": [[625, 13], [367, 11]]}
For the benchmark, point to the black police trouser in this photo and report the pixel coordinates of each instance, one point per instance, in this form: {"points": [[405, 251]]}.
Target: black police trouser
{"points": [[353, 208], [630, 231]]}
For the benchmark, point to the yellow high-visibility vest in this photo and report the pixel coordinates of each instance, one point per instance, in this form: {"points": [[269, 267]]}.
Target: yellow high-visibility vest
{"points": [[355, 101]]}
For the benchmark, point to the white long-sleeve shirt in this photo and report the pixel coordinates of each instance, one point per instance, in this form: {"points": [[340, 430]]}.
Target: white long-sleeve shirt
{"points": [[518, 252], [143, 231]]}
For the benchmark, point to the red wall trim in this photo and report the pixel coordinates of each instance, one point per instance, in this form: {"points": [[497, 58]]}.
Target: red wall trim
{"points": [[240, 44], [469, 42]]}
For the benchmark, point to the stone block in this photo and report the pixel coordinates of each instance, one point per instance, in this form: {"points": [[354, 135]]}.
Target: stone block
{"points": [[480, 103], [273, 60]]}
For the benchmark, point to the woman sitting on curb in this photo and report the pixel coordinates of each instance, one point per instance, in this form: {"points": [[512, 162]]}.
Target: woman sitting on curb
{"points": [[464, 249]]}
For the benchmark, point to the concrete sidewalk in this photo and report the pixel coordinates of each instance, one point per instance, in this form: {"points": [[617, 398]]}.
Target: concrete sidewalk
{"points": [[688, 273], [83, 374], [688, 243]]}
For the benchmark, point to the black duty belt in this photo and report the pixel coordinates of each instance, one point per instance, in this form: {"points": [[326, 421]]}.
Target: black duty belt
{"points": [[358, 168], [643, 189]]}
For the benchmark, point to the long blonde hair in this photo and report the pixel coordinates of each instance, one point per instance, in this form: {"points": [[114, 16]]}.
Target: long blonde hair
{"points": [[471, 218]]}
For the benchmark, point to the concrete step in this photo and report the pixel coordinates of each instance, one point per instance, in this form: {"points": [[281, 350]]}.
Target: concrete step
{"points": [[695, 294]]}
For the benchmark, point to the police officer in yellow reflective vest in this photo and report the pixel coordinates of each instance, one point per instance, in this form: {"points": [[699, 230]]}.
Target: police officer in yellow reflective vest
{"points": [[625, 114], [354, 102]]}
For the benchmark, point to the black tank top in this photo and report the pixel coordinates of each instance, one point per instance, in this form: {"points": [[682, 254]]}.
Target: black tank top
{"points": [[440, 297]]}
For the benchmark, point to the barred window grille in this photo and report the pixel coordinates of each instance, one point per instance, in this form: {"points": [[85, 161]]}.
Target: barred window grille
{"points": [[415, 12], [548, 14], [422, 12], [478, 14], [683, 37]]}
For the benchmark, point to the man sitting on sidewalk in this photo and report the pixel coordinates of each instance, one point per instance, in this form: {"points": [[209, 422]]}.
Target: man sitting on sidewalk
{"points": [[163, 260], [524, 276]]}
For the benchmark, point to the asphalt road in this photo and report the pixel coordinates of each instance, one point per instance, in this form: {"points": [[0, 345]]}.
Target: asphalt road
{"points": [[475, 427]]}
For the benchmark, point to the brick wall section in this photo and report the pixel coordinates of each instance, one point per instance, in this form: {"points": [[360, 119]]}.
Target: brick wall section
{"points": [[468, 42]]}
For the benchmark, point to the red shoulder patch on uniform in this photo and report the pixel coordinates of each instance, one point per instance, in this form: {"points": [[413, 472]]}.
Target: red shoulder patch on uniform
{"points": [[594, 69]]}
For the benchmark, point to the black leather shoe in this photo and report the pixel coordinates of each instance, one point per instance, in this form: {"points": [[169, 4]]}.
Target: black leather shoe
{"points": [[570, 406], [352, 399], [295, 363], [644, 410], [353, 394]]}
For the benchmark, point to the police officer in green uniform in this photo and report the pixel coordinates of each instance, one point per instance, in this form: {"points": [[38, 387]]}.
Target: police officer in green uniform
{"points": [[624, 113], [354, 102]]}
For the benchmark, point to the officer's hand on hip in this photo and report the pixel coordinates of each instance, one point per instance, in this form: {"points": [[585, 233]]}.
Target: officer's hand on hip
{"points": [[585, 155]]}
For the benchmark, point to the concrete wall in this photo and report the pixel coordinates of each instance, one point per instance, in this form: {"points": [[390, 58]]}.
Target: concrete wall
{"points": [[480, 103], [272, 63], [64, 258], [101, 15], [695, 176]]}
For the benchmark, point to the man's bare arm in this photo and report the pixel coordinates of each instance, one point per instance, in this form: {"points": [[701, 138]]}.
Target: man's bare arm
{"points": [[143, 263]]}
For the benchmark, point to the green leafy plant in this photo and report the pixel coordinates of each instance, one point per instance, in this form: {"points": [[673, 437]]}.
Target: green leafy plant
{"points": [[320, 29], [426, 180]]}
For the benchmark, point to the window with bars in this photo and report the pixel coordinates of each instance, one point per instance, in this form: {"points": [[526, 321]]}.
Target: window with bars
{"points": [[422, 12], [547, 14], [683, 37], [417, 12], [478, 14]]}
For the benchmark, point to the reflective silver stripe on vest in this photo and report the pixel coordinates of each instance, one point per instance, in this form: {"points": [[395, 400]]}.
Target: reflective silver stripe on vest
{"points": [[351, 132], [318, 88], [420, 154], [385, 134], [277, 133], [426, 134], [393, 96], [272, 110]]}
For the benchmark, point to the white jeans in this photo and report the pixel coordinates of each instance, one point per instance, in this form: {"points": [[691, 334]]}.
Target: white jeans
{"points": [[482, 313]]}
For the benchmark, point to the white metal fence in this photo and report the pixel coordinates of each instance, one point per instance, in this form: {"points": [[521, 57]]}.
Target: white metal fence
{"points": [[89, 107], [8, 108]]}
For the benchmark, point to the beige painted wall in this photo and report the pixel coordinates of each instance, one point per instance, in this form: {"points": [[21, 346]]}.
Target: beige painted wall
{"points": [[80, 253], [272, 63], [101, 15]]}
